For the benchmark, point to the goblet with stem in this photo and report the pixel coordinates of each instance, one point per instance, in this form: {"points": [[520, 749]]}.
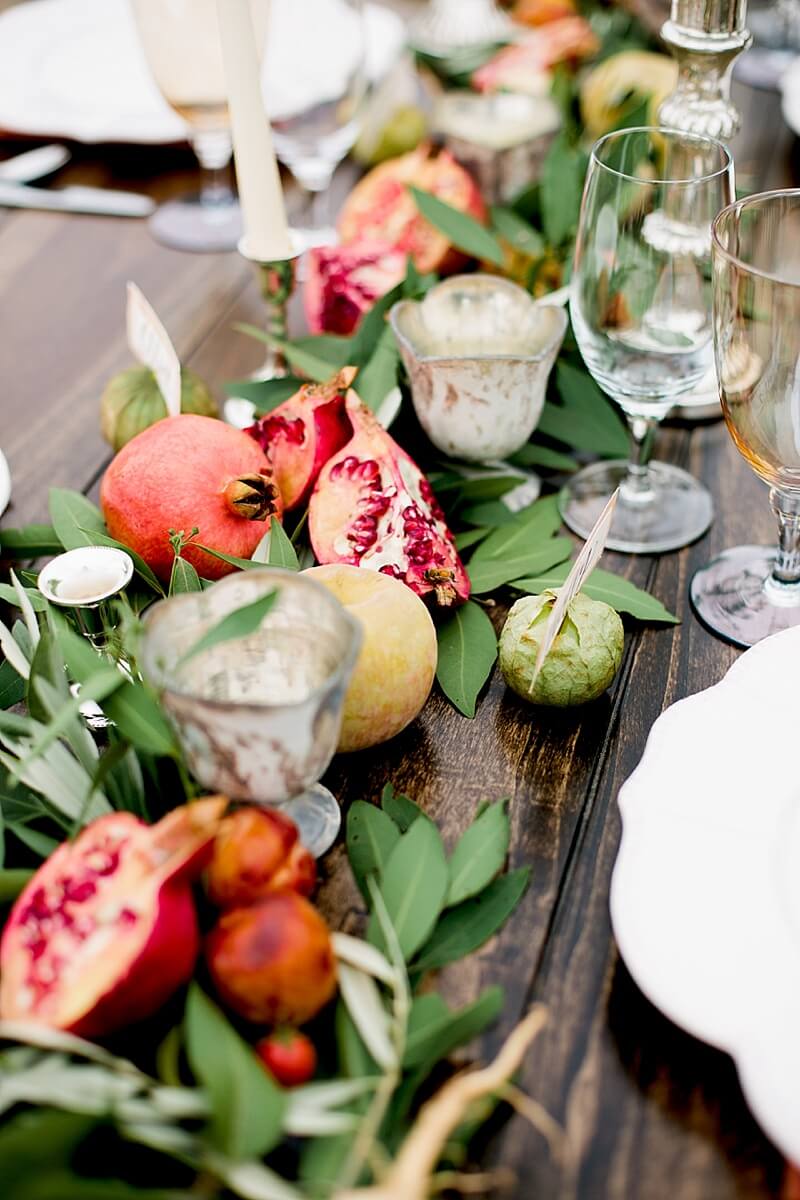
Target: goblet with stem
{"points": [[315, 97], [641, 312], [182, 45], [752, 591]]}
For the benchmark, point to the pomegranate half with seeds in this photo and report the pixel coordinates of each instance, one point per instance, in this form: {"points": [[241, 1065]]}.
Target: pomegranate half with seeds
{"points": [[343, 282], [300, 435], [106, 929], [372, 507]]}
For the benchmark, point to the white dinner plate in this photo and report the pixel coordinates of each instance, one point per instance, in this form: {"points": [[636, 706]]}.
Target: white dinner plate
{"points": [[74, 69], [790, 89], [5, 483], [705, 896]]}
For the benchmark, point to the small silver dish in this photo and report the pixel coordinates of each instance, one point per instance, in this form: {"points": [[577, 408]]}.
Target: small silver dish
{"points": [[478, 351]]}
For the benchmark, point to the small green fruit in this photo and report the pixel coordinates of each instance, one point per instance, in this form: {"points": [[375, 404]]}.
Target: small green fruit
{"points": [[580, 664], [403, 131], [132, 401]]}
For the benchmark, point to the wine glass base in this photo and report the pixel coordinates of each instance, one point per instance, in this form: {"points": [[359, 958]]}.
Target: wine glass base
{"points": [[317, 815], [308, 238], [186, 224], [735, 597], [674, 511]]}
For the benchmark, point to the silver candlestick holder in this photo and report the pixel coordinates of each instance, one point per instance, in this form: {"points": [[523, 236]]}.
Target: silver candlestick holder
{"points": [[705, 37]]}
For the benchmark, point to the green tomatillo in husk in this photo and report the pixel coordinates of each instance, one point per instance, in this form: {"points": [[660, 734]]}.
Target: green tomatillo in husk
{"points": [[582, 661], [132, 401]]}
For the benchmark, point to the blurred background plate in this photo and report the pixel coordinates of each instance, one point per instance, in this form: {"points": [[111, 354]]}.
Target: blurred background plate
{"points": [[74, 69], [5, 483]]}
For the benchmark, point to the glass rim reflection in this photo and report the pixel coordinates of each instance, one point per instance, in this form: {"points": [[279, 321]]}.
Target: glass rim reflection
{"points": [[735, 210], [686, 181]]}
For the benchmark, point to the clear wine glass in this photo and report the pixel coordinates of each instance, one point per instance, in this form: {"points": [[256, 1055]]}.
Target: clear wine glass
{"points": [[641, 312], [315, 83], [752, 591], [182, 45]]}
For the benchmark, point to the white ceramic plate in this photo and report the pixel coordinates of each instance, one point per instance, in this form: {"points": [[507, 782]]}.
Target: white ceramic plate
{"points": [[790, 87], [705, 897], [5, 483], [75, 69]]}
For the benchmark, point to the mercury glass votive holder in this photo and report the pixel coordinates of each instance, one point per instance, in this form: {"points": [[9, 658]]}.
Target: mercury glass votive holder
{"points": [[258, 717]]}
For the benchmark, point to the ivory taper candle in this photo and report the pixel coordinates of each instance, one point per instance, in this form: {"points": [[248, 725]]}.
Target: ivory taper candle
{"points": [[266, 232]]}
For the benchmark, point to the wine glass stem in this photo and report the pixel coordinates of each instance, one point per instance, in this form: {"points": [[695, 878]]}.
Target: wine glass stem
{"points": [[213, 149], [636, 487], [315, 176], [786, 507]]}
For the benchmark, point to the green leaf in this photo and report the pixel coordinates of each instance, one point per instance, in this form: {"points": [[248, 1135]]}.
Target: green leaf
{"points": [[463, 231], [561, 189], [366, 337], [237, 624], [463, 929], [470, 537], [32, 541], [38, 842], [534, 455], [584, 419], [494, 514], [246, 1104], [281, 551], [488, 574], [184, 577], [404, 812], [437, 1039], [74, 518], [377, 378], [11, 883], [467, 653], [307, 363], [479, 854], [620, 593], [12, 686], [37, 600], [413, 885], [244, 564], [266, 394], [529, 527], [522, 236], [371, 837]]}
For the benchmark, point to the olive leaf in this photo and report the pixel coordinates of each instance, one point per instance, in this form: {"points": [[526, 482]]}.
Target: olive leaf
{"points": [[534, 455], [74, 518], [265, 394], [516, 230], [488, 574], [247, 1106], [463, 231], [281, 551], [371, 837], [413, 885], [479, 853], [12, 686], [32, 541], [237, 624], [467, 653], [435, 1039], [404, 812], [463, 929], [620, 593], [305, 361], [244, 564], [561, 188], [379, 375], [363, 1000]]}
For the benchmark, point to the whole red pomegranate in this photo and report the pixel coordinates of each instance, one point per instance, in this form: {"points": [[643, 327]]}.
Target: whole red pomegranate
{"points": [[189, 471], [372, 507], [273, 961], [300, 435], [343, 282], [106, 930], [381, 206], [257, 851]]}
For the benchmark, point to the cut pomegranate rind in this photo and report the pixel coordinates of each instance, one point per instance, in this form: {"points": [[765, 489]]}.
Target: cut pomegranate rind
{"points": [[343, 282], [106, 930], [372, 507], [300, 435]]}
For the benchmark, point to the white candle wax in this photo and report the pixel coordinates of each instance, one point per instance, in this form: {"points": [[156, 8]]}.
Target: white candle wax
{"points": [[260, 194]]}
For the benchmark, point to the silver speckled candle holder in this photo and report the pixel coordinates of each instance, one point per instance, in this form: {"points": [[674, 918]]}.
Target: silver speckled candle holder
{"points": [[705, 37]]}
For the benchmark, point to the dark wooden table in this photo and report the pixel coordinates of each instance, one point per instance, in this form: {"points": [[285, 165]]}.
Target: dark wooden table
{"points": [[648, 1112]]}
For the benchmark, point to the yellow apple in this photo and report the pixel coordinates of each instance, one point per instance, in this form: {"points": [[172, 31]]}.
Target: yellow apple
{"points": [[397, 662]]}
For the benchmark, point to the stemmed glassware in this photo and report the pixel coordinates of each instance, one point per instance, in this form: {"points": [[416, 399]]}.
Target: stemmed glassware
{"points": [[641, 312], [181, 41], [752, 591], [315, 86]]}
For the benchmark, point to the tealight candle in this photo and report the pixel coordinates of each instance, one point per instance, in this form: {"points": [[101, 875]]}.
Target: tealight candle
{"points": [[85, 577]]}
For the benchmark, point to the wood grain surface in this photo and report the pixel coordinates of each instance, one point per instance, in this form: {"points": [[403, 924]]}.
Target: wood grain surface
{"points": [[648, 1113]]}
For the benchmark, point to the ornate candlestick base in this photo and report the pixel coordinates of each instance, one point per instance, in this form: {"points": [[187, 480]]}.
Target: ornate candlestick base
{"points": [[276, 281], [705, 37]]}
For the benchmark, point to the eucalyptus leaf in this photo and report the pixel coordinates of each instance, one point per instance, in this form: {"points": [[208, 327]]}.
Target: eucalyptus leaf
{"points": [[584, 418], [234, 625], [479, 853], [265, 394], [620, 593], [437, 1039], [305, 361], [12, 686], [467, 653], [37, 600], [364, 1003], [24, 604], [14, 653], [561, 189], [183, 577], [527, 528], [463, 231], [413, 885], [404, 812], [247, 1106], [379, 375], [74, 518], [281, 551], [463, 929], [371, 837], [244, 564], [488, 574], [32, 541], [534, 455]]}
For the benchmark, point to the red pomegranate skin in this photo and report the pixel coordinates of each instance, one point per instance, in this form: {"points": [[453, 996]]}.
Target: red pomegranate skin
{"points": [[300, 435], [343, 282], [174, 475], [106, 929], [372, 507]]}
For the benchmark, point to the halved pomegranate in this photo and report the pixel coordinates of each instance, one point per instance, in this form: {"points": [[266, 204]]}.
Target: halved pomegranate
{"points": [[343, 282], [106, 930], [300, 435], [381, 206], [372, 507]]}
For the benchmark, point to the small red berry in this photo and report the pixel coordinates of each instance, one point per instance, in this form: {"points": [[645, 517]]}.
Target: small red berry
{"points": [[289, 1056]]}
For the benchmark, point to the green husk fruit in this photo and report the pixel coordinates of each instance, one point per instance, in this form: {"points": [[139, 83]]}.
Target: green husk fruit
{"points": [[132, 401]]}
